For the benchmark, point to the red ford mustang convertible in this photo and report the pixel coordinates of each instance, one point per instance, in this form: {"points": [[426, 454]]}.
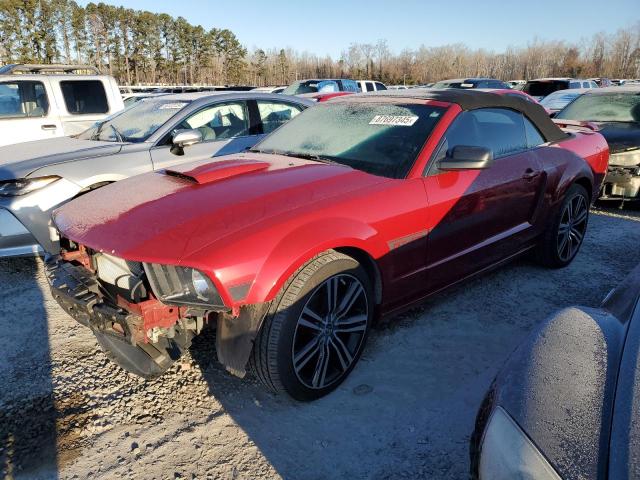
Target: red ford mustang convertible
{"points": [[356, 209]]}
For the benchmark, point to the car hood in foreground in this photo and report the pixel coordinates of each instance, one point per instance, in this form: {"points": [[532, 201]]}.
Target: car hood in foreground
{"points": [[166, 216], [560, 384], [620, 136], [18, 161]]}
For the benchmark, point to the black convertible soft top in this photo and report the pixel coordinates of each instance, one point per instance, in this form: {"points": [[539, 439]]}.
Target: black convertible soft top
{"points": [[470, 99]]}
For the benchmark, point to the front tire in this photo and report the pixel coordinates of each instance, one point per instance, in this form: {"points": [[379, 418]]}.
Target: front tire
{"points": [[316, 328], [564, 235]]}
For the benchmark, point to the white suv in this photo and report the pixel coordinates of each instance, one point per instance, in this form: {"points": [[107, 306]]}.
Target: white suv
{"points": [[45, 101], [371, 86]]}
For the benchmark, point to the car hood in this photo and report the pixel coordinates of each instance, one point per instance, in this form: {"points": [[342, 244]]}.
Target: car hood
{"points": [[620, 136], [166, 216], [559, 385], [18, 161]]}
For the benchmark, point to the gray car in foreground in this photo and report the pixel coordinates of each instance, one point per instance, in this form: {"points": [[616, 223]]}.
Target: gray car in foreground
{"points": [[567, 403], [155, 133]]}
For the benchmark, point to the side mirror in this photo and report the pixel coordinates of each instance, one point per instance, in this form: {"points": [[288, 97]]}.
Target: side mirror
{"points": [[465, 157], [186, 138]]}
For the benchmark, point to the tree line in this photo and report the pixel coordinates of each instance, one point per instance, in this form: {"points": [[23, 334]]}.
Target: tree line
{"points": [[143, 47]]}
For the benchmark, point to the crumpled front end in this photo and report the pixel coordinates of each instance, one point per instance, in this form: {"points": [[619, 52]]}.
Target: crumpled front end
{"points": [[134, 307], [623, 176]]}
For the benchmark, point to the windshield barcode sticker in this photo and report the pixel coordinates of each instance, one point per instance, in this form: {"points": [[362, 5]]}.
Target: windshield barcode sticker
{"points": [[394, 120]]}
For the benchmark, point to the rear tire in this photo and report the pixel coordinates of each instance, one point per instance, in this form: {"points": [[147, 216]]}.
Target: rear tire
{"points": [[316, 328], [148, 360], [564, 234]]}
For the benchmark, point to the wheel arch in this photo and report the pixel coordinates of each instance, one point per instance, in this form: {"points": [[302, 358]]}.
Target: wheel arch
{"points": [[371, 267], [584, 182], [348, 236]]}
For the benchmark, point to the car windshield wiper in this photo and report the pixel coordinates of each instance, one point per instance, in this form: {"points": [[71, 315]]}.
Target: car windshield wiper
{"points": [[312, 156], [304, 156]]}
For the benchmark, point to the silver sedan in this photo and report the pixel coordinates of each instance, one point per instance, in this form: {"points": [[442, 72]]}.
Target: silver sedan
{"points": [[155, 133]]}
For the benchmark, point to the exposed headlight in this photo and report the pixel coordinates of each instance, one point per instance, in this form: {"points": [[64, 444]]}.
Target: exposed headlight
{"points": [[22, 186], [182, 286], [630, 158], [508, 453]]}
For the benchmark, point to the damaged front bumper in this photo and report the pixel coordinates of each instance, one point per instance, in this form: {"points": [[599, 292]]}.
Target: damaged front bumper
{"points": [[621, 183], [78, 291]]}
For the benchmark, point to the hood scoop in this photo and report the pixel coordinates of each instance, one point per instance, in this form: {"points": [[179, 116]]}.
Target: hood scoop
{"points": [[211, 172]]}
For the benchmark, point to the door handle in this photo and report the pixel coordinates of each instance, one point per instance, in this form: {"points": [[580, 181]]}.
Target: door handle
{"points": [[530, 174], [48, 127]]}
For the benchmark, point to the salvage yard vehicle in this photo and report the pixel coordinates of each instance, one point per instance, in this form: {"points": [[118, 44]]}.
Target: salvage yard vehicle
{"points": [[541, 87], [48, 101], [565, 405], [354, 210], [327, 85], [153, 134], [472, 83], [371, 86], [559, 99], [615, 112]]}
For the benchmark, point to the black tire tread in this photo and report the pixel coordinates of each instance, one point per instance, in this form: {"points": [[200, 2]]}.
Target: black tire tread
{"points": [[263, 360], [545, 255]]}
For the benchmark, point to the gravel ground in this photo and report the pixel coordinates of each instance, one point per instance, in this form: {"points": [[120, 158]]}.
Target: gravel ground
{"points": [[405, 412]]}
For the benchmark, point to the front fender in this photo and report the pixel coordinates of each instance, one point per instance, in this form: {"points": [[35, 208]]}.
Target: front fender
{"points": [[303, 243]]}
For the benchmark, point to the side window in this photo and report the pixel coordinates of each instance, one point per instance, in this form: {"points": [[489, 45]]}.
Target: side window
{"points": [[574, 85], [328, 86], [349, 86], [24, 99], [498, 129], [534, 138], [84, 97], [274, 114], [586, 85], [380, 86], [482, 84], [219, 122], [370, 87]]}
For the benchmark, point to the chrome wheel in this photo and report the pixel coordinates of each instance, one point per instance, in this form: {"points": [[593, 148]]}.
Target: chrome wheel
{"points": [[330, 331], [573, 224]]}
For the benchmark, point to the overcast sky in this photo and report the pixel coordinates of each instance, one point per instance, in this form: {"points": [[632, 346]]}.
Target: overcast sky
{"points": [[329, 26]]}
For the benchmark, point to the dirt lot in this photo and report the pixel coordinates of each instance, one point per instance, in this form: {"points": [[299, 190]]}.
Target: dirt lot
{"points": [[406, 411]]}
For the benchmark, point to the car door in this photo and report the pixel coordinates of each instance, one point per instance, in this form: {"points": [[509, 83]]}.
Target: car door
{"points": [[225, 127], [478, 217], [26, 112]]}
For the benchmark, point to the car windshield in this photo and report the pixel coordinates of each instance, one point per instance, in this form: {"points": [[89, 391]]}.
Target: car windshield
{"points": [[611, 107], [135, 124], [298, 88], [558, 100], [381, 139]]}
